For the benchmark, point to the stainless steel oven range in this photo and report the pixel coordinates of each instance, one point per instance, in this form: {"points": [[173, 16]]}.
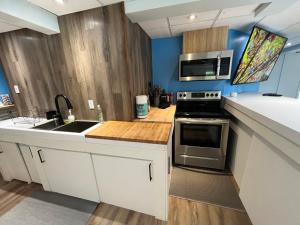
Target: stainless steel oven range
{"points": [[201, 130]]}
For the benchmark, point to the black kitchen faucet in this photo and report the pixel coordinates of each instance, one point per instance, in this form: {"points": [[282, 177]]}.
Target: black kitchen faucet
{"points": [[69, 105]]}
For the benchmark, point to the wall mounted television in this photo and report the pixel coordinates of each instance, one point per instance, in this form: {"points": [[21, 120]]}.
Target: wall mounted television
{"points": [[259, 57]]}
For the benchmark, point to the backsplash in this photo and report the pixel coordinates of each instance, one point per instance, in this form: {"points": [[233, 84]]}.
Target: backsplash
{"points": [[165, 53], [99, 55]]}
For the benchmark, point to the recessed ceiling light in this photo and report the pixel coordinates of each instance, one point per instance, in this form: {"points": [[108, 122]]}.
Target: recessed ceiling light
{"points": [[288, 44], [192, 17], [61, 2]]}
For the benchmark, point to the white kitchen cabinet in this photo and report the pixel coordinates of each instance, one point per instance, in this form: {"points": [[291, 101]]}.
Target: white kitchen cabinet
{"points": [[67, 172], [270, 187], [12, 163], [28, 158], [240, 140], [4, 167], [126, 182]]}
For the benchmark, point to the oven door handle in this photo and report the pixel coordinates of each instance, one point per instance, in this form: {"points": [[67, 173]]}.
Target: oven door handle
{"points": [[202, 121]]}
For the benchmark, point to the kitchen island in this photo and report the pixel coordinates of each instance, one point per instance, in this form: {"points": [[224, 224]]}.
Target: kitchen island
{"points": [[136, 156], [265, 149], [130, 173]]}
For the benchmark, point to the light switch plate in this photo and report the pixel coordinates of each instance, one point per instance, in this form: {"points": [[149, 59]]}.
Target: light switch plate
{"points": [[91, 104], [17, 90]]}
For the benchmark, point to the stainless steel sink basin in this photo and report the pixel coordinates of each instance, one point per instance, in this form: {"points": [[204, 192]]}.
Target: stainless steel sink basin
{"points": [[46, 126], [76, 126]]}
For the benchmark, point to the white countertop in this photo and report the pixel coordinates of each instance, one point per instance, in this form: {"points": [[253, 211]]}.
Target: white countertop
{"points": [[280, 114]]}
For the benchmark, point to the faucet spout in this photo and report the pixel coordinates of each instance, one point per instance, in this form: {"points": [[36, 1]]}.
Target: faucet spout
{"points": [[69, 105]]}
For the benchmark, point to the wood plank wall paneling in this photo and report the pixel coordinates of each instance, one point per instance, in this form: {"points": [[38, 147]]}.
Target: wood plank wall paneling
{"points": [[139, 49], [211, 39], [98, 55], [26, 60]]}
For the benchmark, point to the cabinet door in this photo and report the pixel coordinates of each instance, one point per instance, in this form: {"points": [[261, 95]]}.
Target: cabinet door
{"points": [[15, 164], [28, 158], [125, 182], [69, 173], [4, 167]]}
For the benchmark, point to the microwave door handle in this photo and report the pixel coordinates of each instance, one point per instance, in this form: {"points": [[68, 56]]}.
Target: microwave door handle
{"points": [[218, 67]]}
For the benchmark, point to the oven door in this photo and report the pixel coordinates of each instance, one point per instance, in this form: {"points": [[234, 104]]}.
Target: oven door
{"points": [[198, 69], [201, 142]]}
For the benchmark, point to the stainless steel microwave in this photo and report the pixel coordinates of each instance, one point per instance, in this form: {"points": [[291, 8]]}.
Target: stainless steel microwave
{"points": [[205, 66]]}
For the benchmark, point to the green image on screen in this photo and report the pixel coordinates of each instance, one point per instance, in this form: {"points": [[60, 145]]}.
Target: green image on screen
{"points": [[261, 53]]}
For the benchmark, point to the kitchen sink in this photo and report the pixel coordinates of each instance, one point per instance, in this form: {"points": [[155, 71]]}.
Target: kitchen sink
{"points": [[76, 127], [46, 126]]}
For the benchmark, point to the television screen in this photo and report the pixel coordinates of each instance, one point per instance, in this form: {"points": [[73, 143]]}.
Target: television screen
{"points": [[259, 57]]}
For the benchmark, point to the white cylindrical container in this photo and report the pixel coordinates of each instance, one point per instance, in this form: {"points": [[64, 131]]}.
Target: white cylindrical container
{"points": [[233, 94], [141, 106]]}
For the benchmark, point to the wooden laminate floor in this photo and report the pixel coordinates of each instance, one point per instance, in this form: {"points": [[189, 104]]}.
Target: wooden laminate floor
{"points": [[181, 211]]}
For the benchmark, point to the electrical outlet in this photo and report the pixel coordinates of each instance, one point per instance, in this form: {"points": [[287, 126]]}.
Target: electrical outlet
{"points": [[17, 90], [91, 104]]}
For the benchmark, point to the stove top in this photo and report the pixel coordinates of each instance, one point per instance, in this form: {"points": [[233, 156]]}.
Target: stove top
{"points": [[206, 104]]}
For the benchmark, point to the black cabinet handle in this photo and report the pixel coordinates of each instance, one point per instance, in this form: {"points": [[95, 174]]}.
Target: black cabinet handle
{"points": [[39, 153], [169, 165], [30, 152], [150, 171]]}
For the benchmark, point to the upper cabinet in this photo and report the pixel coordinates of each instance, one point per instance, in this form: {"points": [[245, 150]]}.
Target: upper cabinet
{"points": [[211, 39]]}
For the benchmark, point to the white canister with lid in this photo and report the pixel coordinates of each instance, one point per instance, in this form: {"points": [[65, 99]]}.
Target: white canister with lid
{"points": [[141, 106]]}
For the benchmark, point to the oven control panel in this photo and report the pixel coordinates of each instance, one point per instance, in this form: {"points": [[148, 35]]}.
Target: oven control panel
{"points": [[202, 95]]}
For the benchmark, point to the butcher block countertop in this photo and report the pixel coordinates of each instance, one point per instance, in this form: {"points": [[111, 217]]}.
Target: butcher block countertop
{"points": [[160, 115], [145, 132], [4, 107]]}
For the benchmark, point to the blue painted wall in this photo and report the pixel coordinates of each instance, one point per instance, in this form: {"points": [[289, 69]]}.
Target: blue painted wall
{"points": [[165, 54], [3, 83]]}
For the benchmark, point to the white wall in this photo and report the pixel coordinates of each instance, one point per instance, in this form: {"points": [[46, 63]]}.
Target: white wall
{"points": [[285, 77], [290, 75], [271, 85]]}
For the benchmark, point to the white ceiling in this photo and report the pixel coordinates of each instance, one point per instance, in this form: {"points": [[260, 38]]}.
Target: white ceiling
{"points": [[172, 26], [281, 18], [286, 22], [71, 6]]}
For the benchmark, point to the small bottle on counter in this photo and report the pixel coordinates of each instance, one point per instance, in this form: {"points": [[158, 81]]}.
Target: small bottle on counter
{"points": [[100, 114]]}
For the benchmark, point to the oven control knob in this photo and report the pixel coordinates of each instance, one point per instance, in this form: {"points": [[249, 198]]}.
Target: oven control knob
{"points": [[184, 95], [180, 95], [216, 94], [212, 95], [207, 94]]}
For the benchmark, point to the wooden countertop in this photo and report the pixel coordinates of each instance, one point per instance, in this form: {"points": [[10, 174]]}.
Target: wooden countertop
{"points": [[160, 115], [3, 107], [145, 132]]}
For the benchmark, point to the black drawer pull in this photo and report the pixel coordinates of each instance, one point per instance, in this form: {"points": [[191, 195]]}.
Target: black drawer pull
{"points": [[150, 171], [39, 153]]}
